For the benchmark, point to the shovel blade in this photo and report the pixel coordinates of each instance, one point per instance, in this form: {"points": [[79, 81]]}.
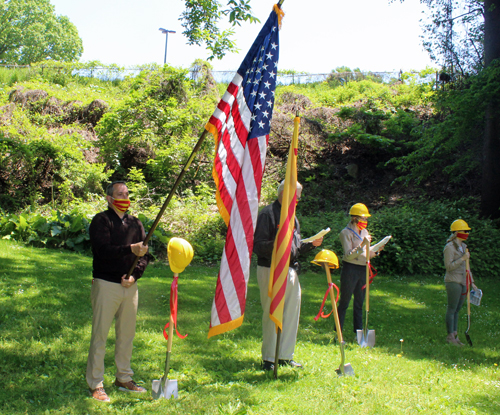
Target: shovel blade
{"points": [[361, 338], [469, 340], [370, 338], [348, 370], [164, 389], [366, 341], [157, 389]]}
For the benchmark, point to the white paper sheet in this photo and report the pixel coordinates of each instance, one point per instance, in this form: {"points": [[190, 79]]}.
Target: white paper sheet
{"points": [[381, 244], [320, 234]]}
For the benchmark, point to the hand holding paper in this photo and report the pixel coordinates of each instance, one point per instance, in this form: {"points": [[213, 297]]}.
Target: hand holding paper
{"points": [[320, 234], [380, 245]]}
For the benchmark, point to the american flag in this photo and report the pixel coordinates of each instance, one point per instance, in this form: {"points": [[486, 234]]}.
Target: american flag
{"points": [[240, 125]]}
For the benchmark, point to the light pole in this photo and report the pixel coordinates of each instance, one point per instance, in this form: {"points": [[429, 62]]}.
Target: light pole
{"points": [[166, 32]]}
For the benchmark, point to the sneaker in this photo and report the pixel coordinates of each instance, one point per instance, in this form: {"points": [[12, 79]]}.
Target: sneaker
{"points": [[99, 394], [267, 365], [291, 363], [129, 386], [457, 339], [452, 340]]}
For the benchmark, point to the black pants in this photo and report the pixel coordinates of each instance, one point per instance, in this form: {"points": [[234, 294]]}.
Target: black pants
{"points": [[352, 278]]}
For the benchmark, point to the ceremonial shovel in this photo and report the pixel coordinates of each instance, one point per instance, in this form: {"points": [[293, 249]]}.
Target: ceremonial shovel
{"points": [[164, 387], [180, 253], [469, 283], [366, 338], [344, 369]]}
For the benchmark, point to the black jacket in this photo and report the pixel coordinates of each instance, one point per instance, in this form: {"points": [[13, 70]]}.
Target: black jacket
{"points": [[111, 238], [265, 232]]}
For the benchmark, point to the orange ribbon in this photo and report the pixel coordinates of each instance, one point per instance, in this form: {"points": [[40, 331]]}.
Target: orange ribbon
{"points": [[373, 274], [468, 281], [173, 309], [321, 314]]}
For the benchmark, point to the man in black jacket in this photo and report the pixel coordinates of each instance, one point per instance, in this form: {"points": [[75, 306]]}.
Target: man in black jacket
{"points": [[116, 239], [265, 232]]}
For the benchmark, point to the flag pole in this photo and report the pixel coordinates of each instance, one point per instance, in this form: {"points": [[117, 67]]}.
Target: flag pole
{"points": [[169, 197], [276, 356]]}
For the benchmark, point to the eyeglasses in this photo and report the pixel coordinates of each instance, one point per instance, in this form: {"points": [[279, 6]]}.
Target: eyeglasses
{"points": [[464, 231]]}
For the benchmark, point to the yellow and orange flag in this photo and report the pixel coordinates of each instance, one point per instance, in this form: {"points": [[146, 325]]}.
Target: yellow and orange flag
{"points": [[283, 242]]}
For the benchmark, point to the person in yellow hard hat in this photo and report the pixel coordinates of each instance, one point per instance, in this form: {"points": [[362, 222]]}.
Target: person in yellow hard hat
{"points": [[353, 275], [455, 279]]}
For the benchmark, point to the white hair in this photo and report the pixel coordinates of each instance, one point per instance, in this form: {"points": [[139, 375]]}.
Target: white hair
{"points": [[282, 186]]}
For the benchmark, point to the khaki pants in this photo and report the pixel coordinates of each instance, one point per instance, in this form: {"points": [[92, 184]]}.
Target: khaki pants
{"points": [[291, 314], [111, 301]]}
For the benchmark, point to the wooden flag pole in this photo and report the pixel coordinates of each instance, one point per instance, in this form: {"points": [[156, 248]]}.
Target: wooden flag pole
{"points": [[169, 197], [276, 356]]}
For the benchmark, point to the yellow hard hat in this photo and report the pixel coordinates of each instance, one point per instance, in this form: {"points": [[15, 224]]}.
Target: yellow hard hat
{"points": [[326, 256], [180, 253], [359, 210], [459, 225]]}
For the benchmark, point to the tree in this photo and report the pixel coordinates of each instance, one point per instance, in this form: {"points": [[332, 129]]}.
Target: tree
{"points": [[476, 51], [202, 18], [490, 190], [30, 31]]}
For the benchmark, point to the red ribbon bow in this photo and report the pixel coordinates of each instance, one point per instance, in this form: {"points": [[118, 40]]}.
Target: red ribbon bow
{"points": [[373, 274], [321, 314], [468, 281], [173, 309]]}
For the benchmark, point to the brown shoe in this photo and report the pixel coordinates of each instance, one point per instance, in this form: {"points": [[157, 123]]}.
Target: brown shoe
{"points": [[129, 386], [99, 394]]}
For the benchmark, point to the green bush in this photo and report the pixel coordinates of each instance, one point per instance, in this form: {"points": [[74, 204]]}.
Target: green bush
{"points": [[59, 230], [66, 230]]}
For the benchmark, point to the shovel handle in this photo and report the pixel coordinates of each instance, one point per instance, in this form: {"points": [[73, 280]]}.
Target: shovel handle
{"points": [[170, 333], [468, 283], [169, 346], [334, 304], [367, 246]]}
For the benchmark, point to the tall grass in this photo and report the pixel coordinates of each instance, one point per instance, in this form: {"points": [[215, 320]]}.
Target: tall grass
{"points": [[45, 323]]}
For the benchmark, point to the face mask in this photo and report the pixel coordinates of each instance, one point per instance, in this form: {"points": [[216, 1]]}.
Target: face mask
{"points": [[462, 236], [362, 224], [121, 204]]}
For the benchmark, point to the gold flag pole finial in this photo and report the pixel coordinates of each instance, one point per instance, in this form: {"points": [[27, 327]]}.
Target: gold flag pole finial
{"points": [[279, 12]]}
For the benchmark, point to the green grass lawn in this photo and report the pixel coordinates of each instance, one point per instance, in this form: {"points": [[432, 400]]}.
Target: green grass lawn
{"points": [[45, 324]]}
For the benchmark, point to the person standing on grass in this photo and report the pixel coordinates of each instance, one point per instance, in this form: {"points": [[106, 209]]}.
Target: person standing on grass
{"points": [[455, 279], [265, 233], [116, 239], [353, 275]]}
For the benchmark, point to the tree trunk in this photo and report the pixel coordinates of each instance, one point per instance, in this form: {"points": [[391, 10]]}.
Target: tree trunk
{"points": [[490, 189]]}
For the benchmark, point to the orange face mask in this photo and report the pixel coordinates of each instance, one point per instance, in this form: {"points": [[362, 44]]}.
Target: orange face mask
{"points": [[362, 224], [462, 236], [121, 204]]}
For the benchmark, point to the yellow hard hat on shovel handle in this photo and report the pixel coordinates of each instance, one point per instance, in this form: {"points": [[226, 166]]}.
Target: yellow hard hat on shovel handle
{"points": [[180, 253], [327, 259]]}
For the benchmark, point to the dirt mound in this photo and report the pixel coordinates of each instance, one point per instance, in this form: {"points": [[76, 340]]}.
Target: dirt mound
{"points": [[94, 111], [61, 112], [20, 96]]}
